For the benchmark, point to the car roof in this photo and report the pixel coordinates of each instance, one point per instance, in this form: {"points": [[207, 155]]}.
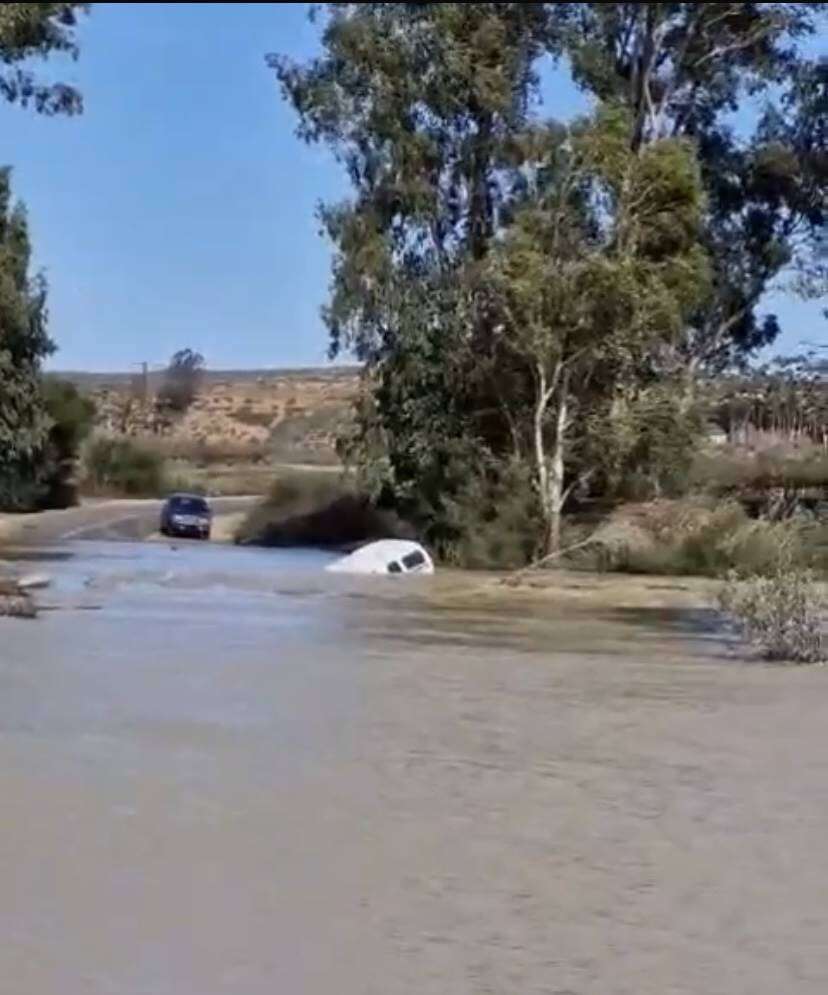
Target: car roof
{"points": [[187, 497]]}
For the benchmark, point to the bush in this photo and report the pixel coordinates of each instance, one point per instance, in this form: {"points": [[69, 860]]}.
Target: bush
{"points": [[644, 445], [317, 509], [182, 382], [693, 539], [72, 417], [774, 484], [204, 453], [781, 614], [124, 467], [493, 523], [180, 481]]}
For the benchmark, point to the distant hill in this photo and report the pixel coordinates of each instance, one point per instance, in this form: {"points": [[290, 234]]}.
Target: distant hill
{"points": [[119, 381], [286, 416]]}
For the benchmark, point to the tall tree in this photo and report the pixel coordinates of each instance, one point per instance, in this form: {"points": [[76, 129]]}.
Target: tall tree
{"points": [[182, 381], [432, 110], [427, 107], [600, 269], [684, 69], [28, 31], [31, 31], [24, 342]]}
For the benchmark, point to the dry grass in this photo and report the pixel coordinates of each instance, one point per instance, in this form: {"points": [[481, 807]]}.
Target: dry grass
{"points": [[207, 453], [733, 471], [700, 538]]}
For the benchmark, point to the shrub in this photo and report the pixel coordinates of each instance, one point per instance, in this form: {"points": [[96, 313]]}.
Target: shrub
{"points": [[781, 614], [207, 453], [493, 523], [693, 539], [317, 509], [644, 445], [72, 416], [124, 467], [182, 382], [774, 483], [250, 418], [178, 480]]}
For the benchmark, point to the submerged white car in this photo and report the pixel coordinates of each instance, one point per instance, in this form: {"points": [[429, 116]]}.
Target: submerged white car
{"points": [[390, 557]]}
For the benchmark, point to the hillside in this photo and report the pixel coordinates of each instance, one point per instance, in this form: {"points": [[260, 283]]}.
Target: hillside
{"points": [[242, 424]]}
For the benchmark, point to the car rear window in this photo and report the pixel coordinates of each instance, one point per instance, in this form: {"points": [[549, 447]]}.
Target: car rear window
{"points": [[190, 506], [414, 560]]}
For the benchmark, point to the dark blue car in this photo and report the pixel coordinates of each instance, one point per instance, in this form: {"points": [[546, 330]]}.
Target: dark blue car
{"points": [[186, 516]]}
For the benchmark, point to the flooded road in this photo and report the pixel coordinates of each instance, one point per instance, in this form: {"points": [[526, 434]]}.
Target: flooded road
{"points": [[223, 771]]}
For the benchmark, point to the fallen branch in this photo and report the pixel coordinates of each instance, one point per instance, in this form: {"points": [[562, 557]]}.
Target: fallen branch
{"points": [[518, 575]]}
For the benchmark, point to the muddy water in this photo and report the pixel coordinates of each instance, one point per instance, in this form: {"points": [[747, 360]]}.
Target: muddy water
{"points": [[231, 775]]}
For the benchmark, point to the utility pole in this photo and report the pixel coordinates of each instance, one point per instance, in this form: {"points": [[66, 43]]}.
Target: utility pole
{"points": [[144, 384]]}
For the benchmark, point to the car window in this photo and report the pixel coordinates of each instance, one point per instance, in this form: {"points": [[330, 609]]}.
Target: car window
{"points": [[189, 506], [414, 560], [394, 568]]}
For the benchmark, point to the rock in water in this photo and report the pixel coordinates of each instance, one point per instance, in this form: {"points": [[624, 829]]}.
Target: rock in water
{"points": [[15, 602], [20, 607]]}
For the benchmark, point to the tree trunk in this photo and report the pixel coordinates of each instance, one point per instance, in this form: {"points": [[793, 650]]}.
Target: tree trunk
{"points": [[541, 464], [557, 478], [551, 469]]}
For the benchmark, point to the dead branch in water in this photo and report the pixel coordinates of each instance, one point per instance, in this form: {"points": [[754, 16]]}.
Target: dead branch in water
{"points": [[515, 578]]}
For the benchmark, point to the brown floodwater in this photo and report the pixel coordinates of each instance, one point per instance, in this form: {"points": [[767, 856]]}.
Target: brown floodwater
{"points": [[224, 772]]}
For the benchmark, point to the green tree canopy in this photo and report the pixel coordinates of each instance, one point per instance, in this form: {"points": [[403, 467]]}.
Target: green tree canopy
{"points": [[182, 382], [452, 266], [24, 342], [30, 31], [684, 69], [595, 277]]}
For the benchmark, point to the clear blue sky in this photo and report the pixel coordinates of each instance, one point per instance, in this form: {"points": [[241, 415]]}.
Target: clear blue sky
{"points": [[179, 210]]}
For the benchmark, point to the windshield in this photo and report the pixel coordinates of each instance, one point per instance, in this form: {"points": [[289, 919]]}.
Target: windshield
{"points": [[190, 505]]}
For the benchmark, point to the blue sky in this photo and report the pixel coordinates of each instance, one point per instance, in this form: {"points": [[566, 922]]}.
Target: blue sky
{"points": [[179, 211]]}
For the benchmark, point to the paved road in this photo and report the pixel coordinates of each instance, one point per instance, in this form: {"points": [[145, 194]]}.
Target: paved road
{"points": [[103, 520]]}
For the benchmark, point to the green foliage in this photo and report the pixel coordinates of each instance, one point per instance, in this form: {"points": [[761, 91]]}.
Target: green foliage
{"points": [[27, 31], [182, 382], [36, 30], [778, 484], [316, 509], [123, 467], [72, 416], [493, 522], [694, 539], [24, 342], [782, 614], [680, 69], [511, 285], [645, 446], [583, 295], [179, 481]]}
